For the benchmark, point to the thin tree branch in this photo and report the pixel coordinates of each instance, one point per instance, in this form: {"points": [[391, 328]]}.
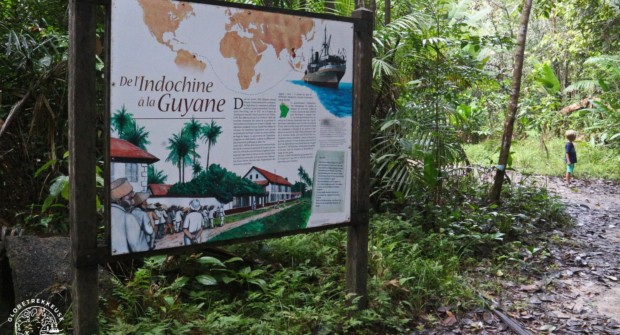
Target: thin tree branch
{"points": [[15, 110]]}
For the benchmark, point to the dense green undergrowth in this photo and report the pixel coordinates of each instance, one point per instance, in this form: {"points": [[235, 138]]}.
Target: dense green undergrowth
{"points": [[534, 156], [295, 285]]}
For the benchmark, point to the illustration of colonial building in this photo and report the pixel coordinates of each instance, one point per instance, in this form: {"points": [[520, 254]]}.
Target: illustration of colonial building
{"points": [[131, 162], [277, 188]]}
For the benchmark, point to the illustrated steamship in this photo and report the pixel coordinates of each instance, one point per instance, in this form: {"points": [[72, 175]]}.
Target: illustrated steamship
{"points": [[324, 68]]}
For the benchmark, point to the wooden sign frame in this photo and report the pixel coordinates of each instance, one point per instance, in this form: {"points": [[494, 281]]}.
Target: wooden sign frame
{"points": [[86, 252]]}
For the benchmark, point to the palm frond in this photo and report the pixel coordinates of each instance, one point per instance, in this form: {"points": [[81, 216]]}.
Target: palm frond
{"points": [[609, 63], [413, 23], [588, 85], [342, 7], [382, 67]]}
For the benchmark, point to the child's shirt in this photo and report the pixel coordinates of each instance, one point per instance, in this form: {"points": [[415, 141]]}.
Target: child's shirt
{"points": [[572, 153]]}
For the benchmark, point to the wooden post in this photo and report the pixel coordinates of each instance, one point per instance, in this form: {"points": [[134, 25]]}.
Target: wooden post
{"points": [[357, 235], [82, 162]]}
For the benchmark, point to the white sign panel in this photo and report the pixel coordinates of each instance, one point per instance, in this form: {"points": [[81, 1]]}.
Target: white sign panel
{"points": [[226, 123]]}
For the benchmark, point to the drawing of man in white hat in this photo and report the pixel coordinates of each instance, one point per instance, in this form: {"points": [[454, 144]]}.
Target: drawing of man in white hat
{"points": [[178, 220], [192, 225], [221, 214], [160, 211], [141, 236], [121, 198]]}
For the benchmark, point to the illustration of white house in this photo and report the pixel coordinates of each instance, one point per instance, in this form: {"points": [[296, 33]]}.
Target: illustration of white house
{"points": [[131, 162], [277, 188]]}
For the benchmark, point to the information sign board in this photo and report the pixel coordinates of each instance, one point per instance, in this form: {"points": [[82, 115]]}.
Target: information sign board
{"points": [[226, 123]]}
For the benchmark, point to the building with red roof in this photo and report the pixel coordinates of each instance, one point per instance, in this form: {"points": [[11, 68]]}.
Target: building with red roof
{"points": [[277, 188], [131, 162]]}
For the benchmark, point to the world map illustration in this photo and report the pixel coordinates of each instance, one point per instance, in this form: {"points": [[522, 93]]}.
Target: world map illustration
{"points": [[250, 37]]}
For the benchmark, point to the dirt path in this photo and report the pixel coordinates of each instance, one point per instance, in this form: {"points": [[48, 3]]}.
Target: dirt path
{"points": [[591, 268], [176, 240], [579, 290]]}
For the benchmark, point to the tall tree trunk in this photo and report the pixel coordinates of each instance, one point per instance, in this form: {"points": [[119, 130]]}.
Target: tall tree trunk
{"points": [[208, 155], [180, 173], [388, 12], [564, 82], [511, 115]]}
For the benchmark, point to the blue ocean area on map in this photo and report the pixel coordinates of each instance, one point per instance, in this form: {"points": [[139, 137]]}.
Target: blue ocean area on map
{"points": [[338, 101]]}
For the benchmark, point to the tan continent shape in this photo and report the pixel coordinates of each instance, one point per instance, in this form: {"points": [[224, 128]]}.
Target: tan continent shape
{"points": [[282, 32], [245, 54], [188, 60], [164, 16]]}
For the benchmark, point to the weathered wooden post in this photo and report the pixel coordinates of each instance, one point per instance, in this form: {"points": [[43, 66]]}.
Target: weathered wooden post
{"points": [[82, 162], [331, 211], [357, 239]]}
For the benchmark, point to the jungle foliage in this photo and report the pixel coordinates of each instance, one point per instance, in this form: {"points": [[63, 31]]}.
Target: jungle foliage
{"points": [[441, 78], [295, 285], [441, 69]]}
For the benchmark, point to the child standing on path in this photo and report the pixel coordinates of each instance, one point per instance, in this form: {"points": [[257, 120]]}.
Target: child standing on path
{"points": [[570, 154]]}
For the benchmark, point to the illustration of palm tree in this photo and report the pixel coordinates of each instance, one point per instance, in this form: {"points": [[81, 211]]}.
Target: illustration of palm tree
{"points": [[137, 136], [301, 172], [122, 120], [196, 169], [181, 149], [210, 133], [193, 129], [156, 176], [303, 175]]}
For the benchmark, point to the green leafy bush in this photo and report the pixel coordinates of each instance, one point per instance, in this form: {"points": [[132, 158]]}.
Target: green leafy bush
{"points": [[295, 285]]}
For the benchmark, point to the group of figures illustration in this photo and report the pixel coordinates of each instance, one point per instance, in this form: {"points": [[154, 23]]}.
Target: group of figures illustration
{"points": [[138, 225]]}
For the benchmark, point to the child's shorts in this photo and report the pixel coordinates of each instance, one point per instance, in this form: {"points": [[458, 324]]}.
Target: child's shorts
{"points": [[570, 168]]}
